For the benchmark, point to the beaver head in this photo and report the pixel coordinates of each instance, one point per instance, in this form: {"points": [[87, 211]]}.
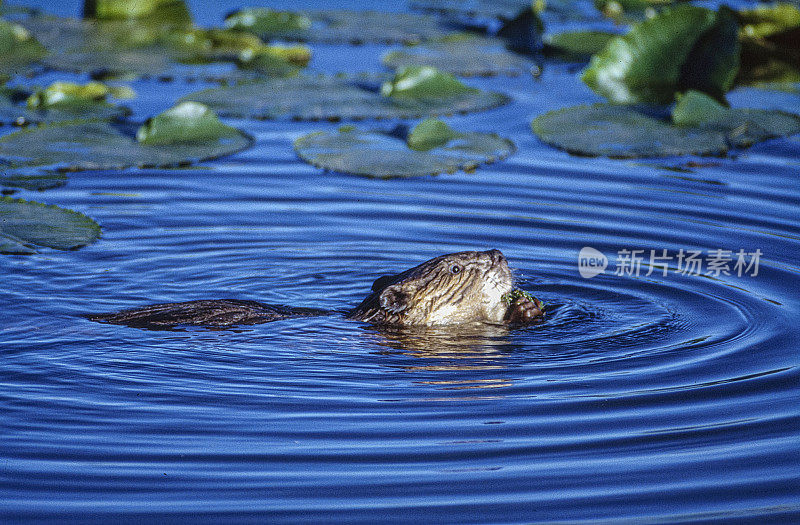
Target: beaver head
{"points": [[456, 288]]}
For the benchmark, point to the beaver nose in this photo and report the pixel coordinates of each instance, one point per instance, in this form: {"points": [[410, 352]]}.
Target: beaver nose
{"points": [[496, 256]]}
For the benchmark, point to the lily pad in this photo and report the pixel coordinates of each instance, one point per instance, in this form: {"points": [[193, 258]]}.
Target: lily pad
{"points": [[695, 108], [34, 182], [130, 48], [464, 56], [14, 108], [186, 123], [630, 132], [335, 26], [25, 225], [102, 145], [436, 149], [328, 98], [502, 9], [18, 49], [109, 49], [172, 10], [577, 45], [626, 11], [682, 48]]}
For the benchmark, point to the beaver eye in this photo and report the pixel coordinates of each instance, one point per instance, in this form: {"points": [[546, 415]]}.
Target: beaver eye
{"points": [[455, 269]]}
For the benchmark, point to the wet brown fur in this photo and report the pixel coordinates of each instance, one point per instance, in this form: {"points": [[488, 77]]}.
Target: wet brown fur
{"points": [[451, 289]]}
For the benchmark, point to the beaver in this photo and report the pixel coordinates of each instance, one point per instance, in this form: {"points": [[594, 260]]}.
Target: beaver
{"points": [[453, 289]]}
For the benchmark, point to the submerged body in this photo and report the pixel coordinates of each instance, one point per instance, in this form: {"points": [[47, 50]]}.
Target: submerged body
{"points": [[458, 288]]}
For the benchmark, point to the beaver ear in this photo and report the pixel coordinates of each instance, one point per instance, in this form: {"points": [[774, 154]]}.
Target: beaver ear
{"points": [[393, 299], [381, 282]]}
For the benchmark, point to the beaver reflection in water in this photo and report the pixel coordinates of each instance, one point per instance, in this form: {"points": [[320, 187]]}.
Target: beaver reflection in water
{"points": [[458, 288]]}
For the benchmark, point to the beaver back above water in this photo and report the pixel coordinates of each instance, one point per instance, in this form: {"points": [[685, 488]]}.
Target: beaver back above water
{"points": [[453, 289]]}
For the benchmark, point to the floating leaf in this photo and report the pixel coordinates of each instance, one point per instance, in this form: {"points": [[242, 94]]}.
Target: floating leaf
{"points": [[34, 182], [275, 60], [186, 123], [502, 9], [18, 49], [172, 11], [24, 225], [431, 133], [695, 108], [269, 23], [624, 11], [629, 132], [682, 48], [326, 98], [147, 47], [467, 56], [14, 109], [69, 95], [383, 155], [108, 49], [577, 45], [100, 145], [335, 26], [421, 82]]}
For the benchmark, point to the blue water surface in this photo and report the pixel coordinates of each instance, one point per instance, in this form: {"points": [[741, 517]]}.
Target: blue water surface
{"points": [[642, 398]]}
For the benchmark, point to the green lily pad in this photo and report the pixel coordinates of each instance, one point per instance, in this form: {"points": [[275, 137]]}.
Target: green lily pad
{"points": [[577, 45], [146, 47], [25, 225], [682, 48], [18, 49], [186, 123], [172, 10], [695, 109], [626, 11], [327, 98], [101, 145], [275, 60], [466, 56], [34, 182], [335, 26], [630, 132], [108, 49], [436, 149], [69, 94], [15, 110]]}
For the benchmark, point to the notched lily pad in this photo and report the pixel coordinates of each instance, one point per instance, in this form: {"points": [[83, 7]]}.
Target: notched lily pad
{"points": [[25, 225], [408, 95], [629, 132], [335, 26], [465, 55], [431, 148], [179, 137]]}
